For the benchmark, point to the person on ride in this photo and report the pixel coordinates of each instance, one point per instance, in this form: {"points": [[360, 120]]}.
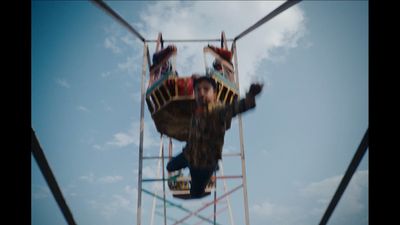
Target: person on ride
{"points": [[203, 148], [162, 57], [227, 56]]}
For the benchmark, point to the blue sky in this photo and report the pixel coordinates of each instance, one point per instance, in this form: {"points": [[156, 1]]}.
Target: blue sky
{"points": [[309, 120]]}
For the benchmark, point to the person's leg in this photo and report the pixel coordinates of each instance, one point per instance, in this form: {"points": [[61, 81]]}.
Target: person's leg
{"points": [[178, 162], [200, 179]]}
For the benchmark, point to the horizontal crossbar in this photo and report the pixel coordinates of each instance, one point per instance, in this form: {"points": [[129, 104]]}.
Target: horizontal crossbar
{"points": [[190, 40], [167, 157], [218, 177]]}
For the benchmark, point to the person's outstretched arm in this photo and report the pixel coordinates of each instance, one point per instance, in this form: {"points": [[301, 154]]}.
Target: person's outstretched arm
{"points": [[245, 104]]}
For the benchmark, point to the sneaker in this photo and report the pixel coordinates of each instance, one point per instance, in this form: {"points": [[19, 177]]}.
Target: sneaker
{"points": [[175, 174]]}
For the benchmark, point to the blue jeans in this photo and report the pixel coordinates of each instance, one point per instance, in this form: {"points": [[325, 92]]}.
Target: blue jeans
{"points": [[200, 176]]}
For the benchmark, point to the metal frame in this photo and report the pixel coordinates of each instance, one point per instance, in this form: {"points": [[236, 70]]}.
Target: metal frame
{"points": [[214, 202]]}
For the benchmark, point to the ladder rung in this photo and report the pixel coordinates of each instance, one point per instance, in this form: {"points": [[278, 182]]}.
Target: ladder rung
{"points": [[232, 154], [155, 157], [218, 177]]}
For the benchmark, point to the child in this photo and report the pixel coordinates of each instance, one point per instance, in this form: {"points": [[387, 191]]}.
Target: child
{"points": [[226, 55], [161, 59], [206, 133]]}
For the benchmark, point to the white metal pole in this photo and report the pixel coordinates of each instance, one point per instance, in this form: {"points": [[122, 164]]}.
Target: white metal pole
{"points": [[163, 176], [245, 198], [227, 198], [139, 199], [158, 174]]}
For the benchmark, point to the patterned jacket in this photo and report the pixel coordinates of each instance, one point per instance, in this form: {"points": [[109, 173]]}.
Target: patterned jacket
{"points": [[207, 131]]}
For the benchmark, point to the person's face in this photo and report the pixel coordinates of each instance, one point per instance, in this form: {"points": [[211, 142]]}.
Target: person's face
{"points": [[204, 93]]}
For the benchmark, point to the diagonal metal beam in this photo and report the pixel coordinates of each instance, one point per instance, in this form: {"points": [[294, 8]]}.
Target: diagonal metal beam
{"points": [[169, 217], [362, 148], [177, 206], [208, 204], [50, 179], [118, 18], [271, 15], [213, 214]]}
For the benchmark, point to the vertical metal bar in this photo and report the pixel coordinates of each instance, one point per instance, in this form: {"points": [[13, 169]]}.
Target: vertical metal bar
{"points": [[205, 60], [227, 198], [163, 176], [148, 57], [158, 174], [142, 88], [174, 65], [245, 198], [170, 149], [224, 44], [159, 37], [215, 198]]}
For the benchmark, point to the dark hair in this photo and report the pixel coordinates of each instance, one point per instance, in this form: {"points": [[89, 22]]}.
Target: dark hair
{"points": [[209, 79]]}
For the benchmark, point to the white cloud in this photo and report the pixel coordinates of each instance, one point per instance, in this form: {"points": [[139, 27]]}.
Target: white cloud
{"points": [[351, 202], [63, 82], [129, 65], [268, 209], [131, 191], [105, 74], [122, 43], [118, 203], [123, 139], [150, 172], [98, 147], [82, 108], [265, 152], [119, 38], [68, 191], [110, 43], [129, 40], [110, 179], [89, 178], [40, 192], [314, 198], [106, 106], [199, 19]]}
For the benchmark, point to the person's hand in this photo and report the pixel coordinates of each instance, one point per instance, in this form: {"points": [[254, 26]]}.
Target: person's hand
{"points": [[255, 89]]}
